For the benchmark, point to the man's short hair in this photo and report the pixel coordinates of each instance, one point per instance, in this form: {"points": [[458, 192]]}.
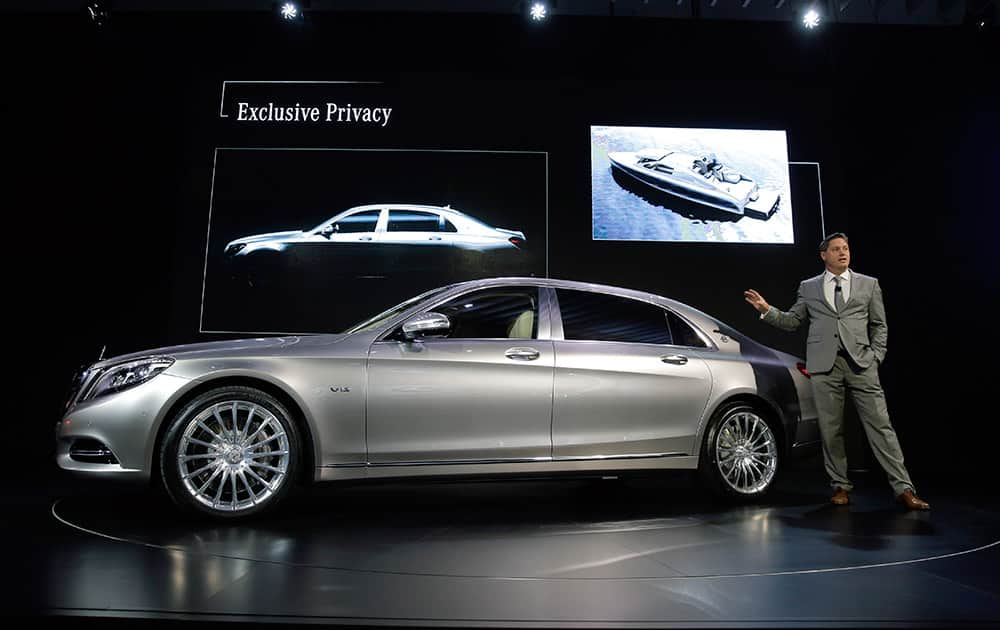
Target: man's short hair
{"points": [[826, 241]]}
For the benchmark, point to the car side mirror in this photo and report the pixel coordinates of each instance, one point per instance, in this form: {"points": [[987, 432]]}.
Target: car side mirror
{"points": [[330, 229], [426, 324]]}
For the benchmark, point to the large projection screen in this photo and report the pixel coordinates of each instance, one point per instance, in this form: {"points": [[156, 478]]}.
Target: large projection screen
{"points": [[692, 185], [313, 240]]}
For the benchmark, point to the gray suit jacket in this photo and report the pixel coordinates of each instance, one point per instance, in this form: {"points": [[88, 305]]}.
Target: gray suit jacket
{"points": [[860, 325]]}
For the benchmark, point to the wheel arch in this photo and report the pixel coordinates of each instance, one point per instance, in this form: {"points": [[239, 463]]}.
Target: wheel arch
{"points": [[767, 408], [307, 472]]}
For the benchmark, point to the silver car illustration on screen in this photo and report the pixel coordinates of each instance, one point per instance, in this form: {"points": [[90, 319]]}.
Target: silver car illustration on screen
{"points": [[400, 240], [492, 376], [406, 224]]}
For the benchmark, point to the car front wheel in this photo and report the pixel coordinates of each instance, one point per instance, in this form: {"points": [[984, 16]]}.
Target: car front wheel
{"points": [[740, 454], [232, 452]]}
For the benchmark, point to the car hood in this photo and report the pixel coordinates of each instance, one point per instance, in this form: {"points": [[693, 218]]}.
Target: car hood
{"points": [[271, 236], [229, 348]]}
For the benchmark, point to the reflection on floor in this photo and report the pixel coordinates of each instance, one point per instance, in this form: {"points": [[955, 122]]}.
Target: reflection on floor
{"points": [[542, 553]]}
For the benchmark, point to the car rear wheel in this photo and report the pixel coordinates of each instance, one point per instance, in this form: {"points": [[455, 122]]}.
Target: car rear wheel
{"points": [[740, 454], [231, 453]]}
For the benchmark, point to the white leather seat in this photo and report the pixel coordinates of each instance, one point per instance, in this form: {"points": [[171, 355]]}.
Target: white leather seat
{"points": [[521, 327]]}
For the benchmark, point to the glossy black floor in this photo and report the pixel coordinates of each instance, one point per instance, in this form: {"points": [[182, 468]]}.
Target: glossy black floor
{"points": [[567, 553]]}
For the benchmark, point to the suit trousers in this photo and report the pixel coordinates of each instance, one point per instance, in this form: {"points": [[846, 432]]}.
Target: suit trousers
{"points": [[866, 391]]}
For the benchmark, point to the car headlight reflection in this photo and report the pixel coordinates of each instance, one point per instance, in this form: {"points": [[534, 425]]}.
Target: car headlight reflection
{"points": [[121, 377]]}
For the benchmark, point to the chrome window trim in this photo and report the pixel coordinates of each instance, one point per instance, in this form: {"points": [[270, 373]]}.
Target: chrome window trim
{"points": [[665, 346]]}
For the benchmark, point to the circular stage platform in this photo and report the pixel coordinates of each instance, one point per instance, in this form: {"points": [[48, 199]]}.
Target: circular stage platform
{"points": [[555, 530]]}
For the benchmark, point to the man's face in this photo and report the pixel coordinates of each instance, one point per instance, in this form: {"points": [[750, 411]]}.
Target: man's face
{"points": [[837, 256]]}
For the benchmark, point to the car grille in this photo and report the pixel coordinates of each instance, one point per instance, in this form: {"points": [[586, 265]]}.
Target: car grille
{"points": [[80, 378]]}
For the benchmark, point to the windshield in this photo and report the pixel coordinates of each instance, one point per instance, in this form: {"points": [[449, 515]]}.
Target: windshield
{"points": [[373, 322], [318, 228], [329, 221]]}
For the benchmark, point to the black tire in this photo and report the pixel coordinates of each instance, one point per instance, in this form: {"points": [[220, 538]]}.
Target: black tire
{"points": [[231, 456], [722, 473]]}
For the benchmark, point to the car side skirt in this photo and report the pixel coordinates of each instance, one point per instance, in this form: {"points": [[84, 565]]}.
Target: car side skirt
{"points": [[659, 461]]}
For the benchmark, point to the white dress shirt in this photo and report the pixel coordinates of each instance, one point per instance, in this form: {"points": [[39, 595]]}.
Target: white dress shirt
{"points": [[830, 283]]}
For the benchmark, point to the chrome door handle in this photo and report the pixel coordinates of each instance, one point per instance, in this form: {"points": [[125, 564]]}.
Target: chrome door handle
{"points": [[434, 238], [364, 238], [676, 359], [521, 354]]}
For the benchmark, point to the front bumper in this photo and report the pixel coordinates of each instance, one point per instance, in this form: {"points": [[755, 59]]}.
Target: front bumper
{"points": [[126, 423]]}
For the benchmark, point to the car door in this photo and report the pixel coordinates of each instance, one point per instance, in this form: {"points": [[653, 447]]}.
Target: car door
{"points": [[346, 249], [415, 243], [482, 393], [622, 386]]}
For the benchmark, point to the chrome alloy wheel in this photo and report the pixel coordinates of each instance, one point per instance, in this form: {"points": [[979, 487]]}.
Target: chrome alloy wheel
{"points": [[746, 452], [233, 456]]}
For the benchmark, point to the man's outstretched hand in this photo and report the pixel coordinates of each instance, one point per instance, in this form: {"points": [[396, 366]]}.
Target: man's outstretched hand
{"points": [[755, 300]]}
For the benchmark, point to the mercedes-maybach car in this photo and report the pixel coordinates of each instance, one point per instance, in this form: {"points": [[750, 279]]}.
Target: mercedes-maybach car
{"points": [[378, 239], [407, 224], [702, 180], [492, 376]]}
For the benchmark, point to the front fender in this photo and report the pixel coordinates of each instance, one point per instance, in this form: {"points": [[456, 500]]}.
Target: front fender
{"points": [[221, 378]]}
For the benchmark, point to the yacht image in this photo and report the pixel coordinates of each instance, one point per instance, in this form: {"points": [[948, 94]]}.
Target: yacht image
{"points": [[698, 179]]}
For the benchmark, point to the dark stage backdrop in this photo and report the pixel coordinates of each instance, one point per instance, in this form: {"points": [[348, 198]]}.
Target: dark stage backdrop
{"points": [[113, 135]]}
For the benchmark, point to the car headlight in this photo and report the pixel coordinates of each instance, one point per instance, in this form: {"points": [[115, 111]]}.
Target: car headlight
{"points": [[234, 249], [125, 375]]}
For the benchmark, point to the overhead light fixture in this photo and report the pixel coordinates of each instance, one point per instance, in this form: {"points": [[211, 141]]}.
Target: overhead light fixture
{"points": [[291, 11], [97, 12], [981, 16], [811, 19], [539, 11]]}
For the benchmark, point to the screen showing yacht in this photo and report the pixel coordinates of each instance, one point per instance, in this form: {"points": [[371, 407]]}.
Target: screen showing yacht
{"points": [[685, 184]]}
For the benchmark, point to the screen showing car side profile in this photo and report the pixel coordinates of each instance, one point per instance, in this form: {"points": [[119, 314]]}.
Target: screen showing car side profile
{"points": [[301, 251], [687, 184]]}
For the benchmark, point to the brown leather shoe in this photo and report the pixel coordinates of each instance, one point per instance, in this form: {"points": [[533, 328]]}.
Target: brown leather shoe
{"points": [[840, 497], [912, 501]]}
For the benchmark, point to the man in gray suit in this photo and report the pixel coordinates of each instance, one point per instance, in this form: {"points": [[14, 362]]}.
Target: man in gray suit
{"points": [[846, 344]]}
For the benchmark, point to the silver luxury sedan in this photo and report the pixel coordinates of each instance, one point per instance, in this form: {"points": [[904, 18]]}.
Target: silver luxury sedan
{"points": [[492, 376], [393, 224], [399, 240]]}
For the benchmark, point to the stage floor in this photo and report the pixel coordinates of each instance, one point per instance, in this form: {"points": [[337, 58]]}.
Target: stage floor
{"points": [[561, 553]]}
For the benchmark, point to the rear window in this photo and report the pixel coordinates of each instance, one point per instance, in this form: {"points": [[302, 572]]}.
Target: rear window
{"points": [[599, 317], [415, 221]]}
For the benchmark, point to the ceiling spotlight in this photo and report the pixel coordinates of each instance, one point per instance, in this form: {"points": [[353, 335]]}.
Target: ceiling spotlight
{"points": [[97, 12], [289, 11], [539, 11], [811, 19]]}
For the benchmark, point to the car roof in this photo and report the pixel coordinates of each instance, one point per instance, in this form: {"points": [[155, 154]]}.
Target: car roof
{"points": [[557, 283], [408, 206], [702, 320]]}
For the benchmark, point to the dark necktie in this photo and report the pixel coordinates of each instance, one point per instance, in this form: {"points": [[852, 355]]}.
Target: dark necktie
{"points": [[838, 295]]}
